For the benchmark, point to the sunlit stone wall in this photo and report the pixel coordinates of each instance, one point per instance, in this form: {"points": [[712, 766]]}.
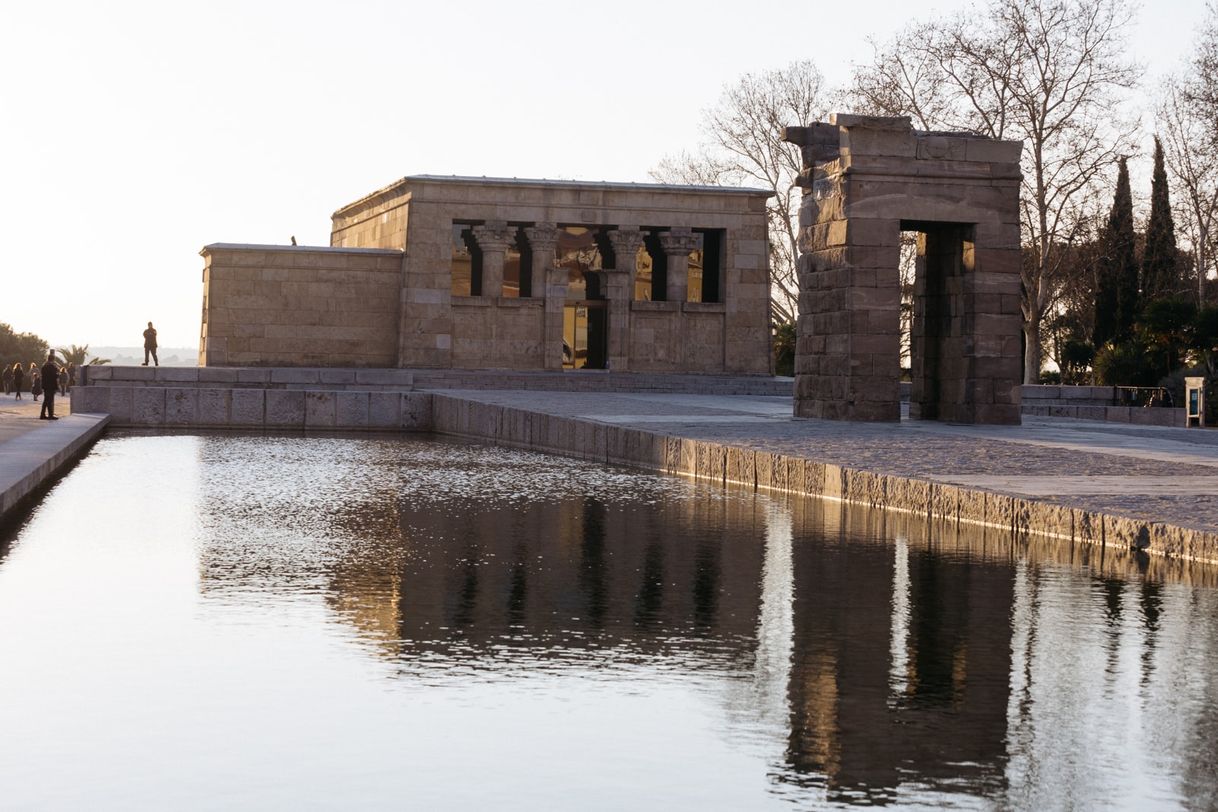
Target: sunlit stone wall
{"points": [[266, 305]]}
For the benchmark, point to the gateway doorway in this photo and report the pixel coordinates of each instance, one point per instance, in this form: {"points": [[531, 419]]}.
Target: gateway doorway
{"points": [[585, 334]]}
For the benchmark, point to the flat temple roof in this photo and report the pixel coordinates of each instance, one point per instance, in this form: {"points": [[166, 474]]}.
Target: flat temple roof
{"points": [[474, 180]]}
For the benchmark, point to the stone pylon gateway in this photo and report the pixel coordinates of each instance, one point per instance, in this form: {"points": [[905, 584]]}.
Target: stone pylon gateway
{"points": [[865, 180]]}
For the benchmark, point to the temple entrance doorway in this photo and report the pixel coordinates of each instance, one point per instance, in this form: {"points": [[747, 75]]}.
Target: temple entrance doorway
{"points": [[940, 335], [585, 334]]}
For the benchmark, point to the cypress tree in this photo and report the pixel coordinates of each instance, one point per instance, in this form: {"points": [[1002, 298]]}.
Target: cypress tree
{"points": [[1159, 270], [1116, 292]]}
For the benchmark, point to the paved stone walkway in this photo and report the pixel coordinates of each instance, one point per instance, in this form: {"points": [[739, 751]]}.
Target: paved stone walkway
{"points": [[19, 416], [1150, 473], [32, 451]]}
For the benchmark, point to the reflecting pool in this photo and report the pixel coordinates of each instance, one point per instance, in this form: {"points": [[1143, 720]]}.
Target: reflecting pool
{"points": [[224, 621]]}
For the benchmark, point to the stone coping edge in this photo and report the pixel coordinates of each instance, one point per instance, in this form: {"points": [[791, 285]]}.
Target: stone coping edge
{"points": [[35, 457], [722, 464]]}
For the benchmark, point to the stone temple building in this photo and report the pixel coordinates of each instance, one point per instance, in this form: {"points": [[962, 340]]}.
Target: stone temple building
{"points": [[463, 272]]}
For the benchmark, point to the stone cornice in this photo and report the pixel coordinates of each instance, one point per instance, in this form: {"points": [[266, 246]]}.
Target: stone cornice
{"points": [[582, 184], [381, 195], [217, 247]]}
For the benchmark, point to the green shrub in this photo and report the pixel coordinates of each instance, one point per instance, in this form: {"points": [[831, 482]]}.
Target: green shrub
{"points": [[784, 349]]}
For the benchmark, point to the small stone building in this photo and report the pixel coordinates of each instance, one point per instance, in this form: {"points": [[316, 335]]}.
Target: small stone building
{"points": [[457, 272]]}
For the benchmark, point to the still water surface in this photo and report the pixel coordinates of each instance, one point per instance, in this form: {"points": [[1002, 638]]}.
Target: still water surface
{"points": [[254, 622]]}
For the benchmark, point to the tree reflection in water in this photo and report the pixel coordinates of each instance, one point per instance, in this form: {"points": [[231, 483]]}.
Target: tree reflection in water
{"points": [[871, 658]]}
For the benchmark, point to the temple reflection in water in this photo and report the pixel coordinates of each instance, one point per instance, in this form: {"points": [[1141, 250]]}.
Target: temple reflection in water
{"points": [[876, 655]]}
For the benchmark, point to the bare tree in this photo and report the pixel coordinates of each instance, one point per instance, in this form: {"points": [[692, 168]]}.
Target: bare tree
{"points": [[742, 146], [1188, 150], [1049, 72], [1188, 121]]}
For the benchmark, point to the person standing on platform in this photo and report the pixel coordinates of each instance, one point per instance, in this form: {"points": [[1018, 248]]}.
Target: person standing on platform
{"points": [[150, 345], [18, 378], [50, 385], [35, 381]]}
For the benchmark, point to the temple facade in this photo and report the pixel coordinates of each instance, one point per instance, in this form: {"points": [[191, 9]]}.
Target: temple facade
{"points": [[462, 272]]}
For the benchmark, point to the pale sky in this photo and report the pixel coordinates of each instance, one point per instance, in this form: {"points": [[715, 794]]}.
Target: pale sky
{"points": [[132, 134]]}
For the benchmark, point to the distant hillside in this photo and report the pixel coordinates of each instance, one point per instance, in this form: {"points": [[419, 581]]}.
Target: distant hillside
{"points": [[134, 356]]}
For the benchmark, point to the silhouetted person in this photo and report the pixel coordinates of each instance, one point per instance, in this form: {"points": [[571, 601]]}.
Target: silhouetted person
{"points": [[7, 375], [50, 385], [150, 345], [35, 381], [18, 379]]}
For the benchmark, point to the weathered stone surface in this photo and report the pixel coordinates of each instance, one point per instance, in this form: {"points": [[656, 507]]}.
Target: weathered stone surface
{"points": [[417, 413], [218, 375], [385, 410], [319, 409], [964, 348], [213, 406], [181, 406], [285, 408], [351, 410], [248, 407], [148, 406]]}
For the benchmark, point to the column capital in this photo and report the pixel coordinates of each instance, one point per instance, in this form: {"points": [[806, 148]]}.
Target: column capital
{"points": [[542, 236], [495, 235], [679, 241], [625, 242]]}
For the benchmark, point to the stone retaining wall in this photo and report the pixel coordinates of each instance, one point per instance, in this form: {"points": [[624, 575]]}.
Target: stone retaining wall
{"points": [[255, 408], [400, 380], [33, 459], [720, 464], [1094, 403], [157, 404], [248, 378]]}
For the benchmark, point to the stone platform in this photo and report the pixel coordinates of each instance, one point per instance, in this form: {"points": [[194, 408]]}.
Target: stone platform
{"points": [[1090, 483], [33, 452], [1094, 483]]}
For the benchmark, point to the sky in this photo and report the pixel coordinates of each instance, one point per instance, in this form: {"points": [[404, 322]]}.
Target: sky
{"points": [[133, 134]]}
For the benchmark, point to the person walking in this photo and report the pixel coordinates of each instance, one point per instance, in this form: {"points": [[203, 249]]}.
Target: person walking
{"points": [[18, 378], [50, 385], [150, 345], [35, 381]]}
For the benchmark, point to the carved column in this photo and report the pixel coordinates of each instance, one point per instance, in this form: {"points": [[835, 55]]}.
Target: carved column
{"points": [[493, 239], [543, 238], [677, 243], [620, 291], [556, 301], [625, 243], [548, 281]]}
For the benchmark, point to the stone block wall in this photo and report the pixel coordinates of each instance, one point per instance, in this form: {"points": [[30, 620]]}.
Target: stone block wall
{"points": [[438, 331], [677, 337], [299, 306], [253, 398], [866, 180], [498, 332], [376, 221]]}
